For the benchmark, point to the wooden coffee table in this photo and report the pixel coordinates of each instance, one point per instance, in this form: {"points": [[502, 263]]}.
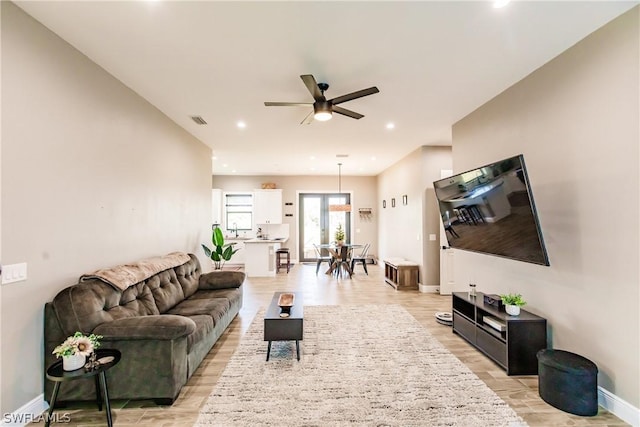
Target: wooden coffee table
{"points": [[277, 328]]}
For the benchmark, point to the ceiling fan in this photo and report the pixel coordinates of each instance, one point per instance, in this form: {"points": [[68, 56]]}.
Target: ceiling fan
{"points": [[323, 107]]}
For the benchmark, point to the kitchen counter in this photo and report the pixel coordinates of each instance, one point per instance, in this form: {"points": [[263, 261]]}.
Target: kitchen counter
{"points": [[260, 258], [274, 240]]}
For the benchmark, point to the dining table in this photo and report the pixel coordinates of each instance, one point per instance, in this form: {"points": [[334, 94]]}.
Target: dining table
{"points": [[343, 259]]}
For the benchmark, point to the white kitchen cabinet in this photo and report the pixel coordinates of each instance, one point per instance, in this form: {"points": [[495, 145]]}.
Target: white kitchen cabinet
{"points": [[267, 206], [216, 206]]}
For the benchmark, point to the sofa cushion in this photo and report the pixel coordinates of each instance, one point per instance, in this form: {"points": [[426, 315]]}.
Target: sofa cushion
{"points": [[167, 290], [84, 306], [233, 295], [188, 275], [221, 280], [216, 308], [159, 327], [204, 326]]}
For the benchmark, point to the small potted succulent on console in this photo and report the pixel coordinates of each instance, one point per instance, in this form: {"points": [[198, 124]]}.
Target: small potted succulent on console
{"points": [[512, 303]]}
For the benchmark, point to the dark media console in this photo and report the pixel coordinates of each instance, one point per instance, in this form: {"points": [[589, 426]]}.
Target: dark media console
{"points": [[510, 341]]}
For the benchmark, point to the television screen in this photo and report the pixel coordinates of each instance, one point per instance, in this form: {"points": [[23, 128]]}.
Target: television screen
{"points": [[491, 210]]}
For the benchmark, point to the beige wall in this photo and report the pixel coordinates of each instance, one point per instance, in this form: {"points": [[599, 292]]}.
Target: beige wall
{"points": [[576, 121], [362, 189], [404, 230], [434, 160], [92, 176]]}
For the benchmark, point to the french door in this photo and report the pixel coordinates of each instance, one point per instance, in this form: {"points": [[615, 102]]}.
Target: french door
{"points": [[318, 224]]}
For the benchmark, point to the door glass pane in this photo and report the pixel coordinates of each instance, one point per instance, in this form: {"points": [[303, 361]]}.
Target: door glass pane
{"points": [[337, 218], [318, 224], [311, 225]]}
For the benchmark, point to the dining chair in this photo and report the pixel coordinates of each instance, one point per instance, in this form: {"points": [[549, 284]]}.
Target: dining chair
{"points": [[320, 259], [361, 258], [340, 261]]}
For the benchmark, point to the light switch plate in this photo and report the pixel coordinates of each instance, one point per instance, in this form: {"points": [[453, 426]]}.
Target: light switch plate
{"points": [[14, 273]]}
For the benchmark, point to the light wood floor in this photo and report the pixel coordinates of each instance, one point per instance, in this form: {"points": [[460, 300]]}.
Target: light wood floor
{"points": [[520, 392]]}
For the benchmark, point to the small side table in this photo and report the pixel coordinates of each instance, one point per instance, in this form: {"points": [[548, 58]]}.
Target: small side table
{"points": [[58, 375]]}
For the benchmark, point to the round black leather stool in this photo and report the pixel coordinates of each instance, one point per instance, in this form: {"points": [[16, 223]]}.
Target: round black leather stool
{"points": [[279, 254], [568, 381]]}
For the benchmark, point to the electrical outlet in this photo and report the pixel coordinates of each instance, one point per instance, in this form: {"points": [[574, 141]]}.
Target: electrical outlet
{"points": [[14, 273]]}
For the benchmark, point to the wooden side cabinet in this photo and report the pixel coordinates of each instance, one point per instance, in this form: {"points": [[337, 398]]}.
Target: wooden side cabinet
{"points": [[401, 274], [510, 341]]}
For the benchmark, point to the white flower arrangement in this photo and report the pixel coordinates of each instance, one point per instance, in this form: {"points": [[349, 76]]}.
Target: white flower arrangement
{"points": [[78, 343]]}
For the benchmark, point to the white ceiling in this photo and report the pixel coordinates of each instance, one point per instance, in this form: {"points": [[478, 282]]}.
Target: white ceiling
{"points": [[434, 63]]}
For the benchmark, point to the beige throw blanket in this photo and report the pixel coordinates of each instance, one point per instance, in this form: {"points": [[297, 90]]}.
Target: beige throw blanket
{"points": [[123, 276]]}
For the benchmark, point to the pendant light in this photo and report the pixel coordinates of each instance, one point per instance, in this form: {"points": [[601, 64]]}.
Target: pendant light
{"points": [[342, 207]]}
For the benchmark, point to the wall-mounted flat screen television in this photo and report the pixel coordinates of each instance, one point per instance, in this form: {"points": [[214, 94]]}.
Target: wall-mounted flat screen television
{"points": [[491, 210]]}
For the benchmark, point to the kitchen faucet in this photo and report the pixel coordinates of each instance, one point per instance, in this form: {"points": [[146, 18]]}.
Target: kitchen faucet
{"points": [[235, 229]]}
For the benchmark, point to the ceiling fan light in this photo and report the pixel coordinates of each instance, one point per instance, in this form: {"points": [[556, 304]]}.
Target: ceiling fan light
{"points": [[322, 116], [322, 111]]}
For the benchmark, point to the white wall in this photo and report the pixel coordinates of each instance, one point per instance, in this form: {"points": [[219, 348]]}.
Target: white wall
{"points": [[576, 120], [92, 176]]}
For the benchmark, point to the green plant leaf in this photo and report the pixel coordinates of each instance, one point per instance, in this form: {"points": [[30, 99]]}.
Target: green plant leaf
{"points": [[207, 251], [513, 299], [218, 237]]}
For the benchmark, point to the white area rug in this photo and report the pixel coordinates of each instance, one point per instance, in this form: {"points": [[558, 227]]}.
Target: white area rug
{"points": [[369, 365]]}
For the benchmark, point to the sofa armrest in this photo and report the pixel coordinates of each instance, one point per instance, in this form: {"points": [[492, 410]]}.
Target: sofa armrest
{"points": [[158, 327], [221, 280]]}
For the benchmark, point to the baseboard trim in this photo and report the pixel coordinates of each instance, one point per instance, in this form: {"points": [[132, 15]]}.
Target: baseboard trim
{"points": [[430, 289], [29, 412], [619, 407]]}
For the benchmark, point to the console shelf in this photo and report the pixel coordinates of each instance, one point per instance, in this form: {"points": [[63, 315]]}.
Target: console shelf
{"points": [[514, 348]]}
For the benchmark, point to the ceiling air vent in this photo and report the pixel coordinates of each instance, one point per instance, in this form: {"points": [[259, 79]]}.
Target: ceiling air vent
{"points": [[342, 155], [199, 120]]}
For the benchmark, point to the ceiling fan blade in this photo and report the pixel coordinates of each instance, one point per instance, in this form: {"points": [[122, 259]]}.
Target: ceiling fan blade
{"points": [[307, 120], [346, 112], [354, 95], [287, 104], [312, 85]]}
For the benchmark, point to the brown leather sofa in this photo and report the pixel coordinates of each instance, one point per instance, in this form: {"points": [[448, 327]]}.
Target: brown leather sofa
{"points": [[164, 327]]}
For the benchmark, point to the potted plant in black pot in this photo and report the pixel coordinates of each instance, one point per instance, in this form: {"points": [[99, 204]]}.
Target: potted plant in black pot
{"points": [[221, 252]]}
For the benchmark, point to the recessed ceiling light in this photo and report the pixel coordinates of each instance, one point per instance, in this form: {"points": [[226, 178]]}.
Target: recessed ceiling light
{"points": [[500, 3], [241, 125], [312, 157], [373, 158], [312, 169], [390, 126], [224, 165], [233, 171], [215, 157]]}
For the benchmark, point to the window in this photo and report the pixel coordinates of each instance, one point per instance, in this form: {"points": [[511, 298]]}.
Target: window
{"points": [[239, 212]]}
